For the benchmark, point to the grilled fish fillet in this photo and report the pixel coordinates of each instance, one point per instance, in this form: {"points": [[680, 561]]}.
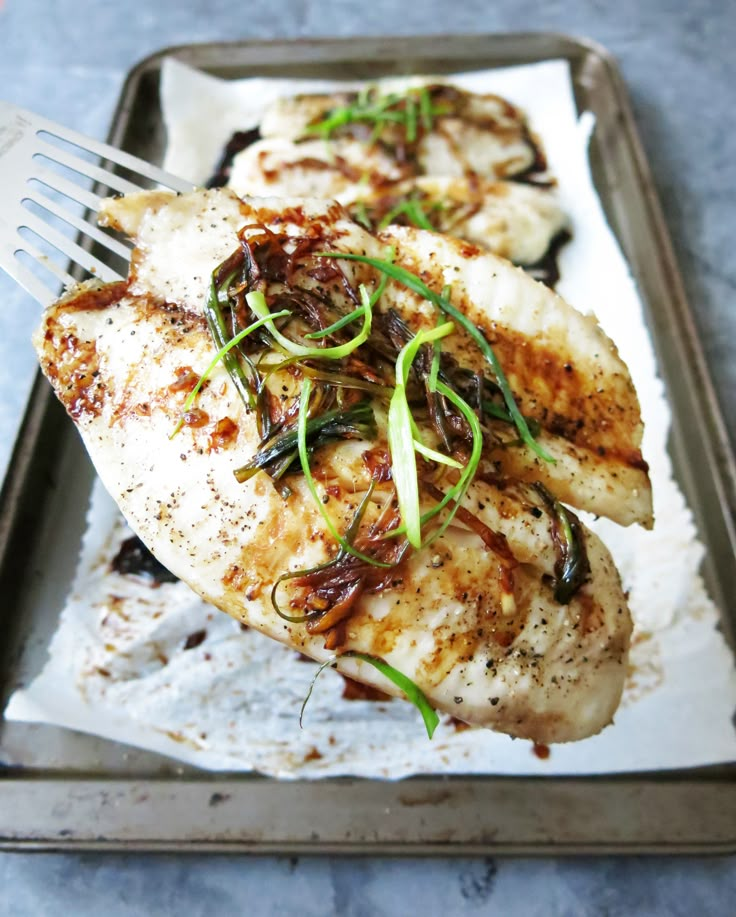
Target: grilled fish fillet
{"points": [[470, 132], [453, 169], [511, 219], [340, 170], [529, 666]]}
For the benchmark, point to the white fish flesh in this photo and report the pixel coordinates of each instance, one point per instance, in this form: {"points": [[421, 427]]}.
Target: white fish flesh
{"points": [[472, 619]]}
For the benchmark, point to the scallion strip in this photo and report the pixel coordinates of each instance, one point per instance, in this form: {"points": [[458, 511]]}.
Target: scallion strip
{"points": [[418, 216], [411, 118], [379, 111], [414, 283], [338, 380], [257, 302], [435, 456], [413, 210], [434, 368], [401, 435], [216, 324], [459, 490], [356, 422], [304, 459], [403, 465], [351, 533], [412, 691], [336, 326], [425, 108]]}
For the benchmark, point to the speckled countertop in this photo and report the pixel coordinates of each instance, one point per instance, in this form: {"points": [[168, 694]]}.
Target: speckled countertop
{"points": [[66, 59]]}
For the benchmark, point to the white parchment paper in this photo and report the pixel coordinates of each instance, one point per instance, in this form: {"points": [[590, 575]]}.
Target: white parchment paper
{"points": [[118, 666]]}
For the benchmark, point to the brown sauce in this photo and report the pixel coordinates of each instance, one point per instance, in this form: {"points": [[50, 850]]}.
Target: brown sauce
{"points": [[195, 639], [547, 269], [237, 142], [196, 418], [186, 380], [134, 559], [96, 297], [73, 371], [224, 434], [354, 690], [541, 751]]}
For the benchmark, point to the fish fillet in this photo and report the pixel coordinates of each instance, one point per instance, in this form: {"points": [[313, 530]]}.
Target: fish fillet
{"points": [[468, 132], [472, 619], [511, 219], [455, 169]]}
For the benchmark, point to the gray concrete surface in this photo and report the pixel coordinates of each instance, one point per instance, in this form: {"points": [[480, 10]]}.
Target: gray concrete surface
{"points": [[66, 59]]}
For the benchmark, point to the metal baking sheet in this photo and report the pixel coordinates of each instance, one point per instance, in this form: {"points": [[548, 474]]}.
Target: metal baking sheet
{"points": [[74, 790]]}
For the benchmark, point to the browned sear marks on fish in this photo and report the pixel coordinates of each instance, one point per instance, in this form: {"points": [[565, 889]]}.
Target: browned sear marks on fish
{"points": [[73, 366]]}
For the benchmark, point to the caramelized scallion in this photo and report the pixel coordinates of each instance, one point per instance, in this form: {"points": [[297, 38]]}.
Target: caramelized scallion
{"points": [[402, 275], [357, 422], [312, 487], [216, 324], [572, 567]]}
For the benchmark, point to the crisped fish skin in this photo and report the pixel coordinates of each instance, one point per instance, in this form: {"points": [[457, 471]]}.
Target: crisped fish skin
{"points": [[543, 671]]}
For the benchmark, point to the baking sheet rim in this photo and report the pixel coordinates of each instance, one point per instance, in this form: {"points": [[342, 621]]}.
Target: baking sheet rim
{"points": [[724, 465]]}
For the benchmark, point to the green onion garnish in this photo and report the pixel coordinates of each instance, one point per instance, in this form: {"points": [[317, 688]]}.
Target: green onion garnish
{"points": [[433, 456], [435, 366], [418, 286], [425, 108], [282, 449], [412, 691], [409, 110], [413, 210], [401, 435], [304, 459], [216, 324], [411, 118], [457, 492], [219, 356], [336, 326], [360, 212], [257, 302], [351, 533]]}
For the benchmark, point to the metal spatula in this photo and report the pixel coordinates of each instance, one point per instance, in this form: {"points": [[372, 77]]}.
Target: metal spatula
{"points": [[52, 181]]}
